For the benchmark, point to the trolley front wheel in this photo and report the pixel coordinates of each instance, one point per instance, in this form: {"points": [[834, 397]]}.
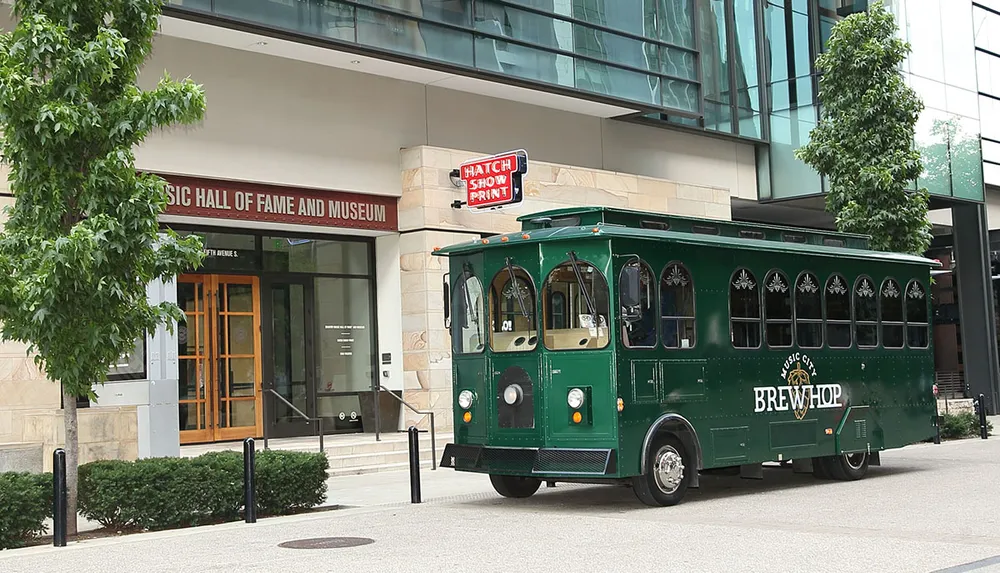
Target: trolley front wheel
{"points": [[515, 486], [669, 468]]}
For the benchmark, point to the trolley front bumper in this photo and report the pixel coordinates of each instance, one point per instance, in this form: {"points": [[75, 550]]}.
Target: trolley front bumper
{"points": [[531, 461]]}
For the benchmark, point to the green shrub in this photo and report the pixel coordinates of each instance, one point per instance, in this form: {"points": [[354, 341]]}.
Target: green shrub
{"points": [[963, 425], [167, 493], [276, 473], [25, 503]]}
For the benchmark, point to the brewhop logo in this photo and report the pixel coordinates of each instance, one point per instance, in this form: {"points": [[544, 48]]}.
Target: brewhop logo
{"points": [[800, 394]]}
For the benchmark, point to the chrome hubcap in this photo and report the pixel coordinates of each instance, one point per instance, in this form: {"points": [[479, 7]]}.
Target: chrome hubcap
{"points": [[668, 469], [855, 460]]}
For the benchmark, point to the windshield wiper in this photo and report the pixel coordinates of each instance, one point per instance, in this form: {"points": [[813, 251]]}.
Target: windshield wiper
{"points": [[583, 287], [513, 285], [468, 298]]}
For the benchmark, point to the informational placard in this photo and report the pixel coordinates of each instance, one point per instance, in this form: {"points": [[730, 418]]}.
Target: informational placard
{"points": [[495, 181], [198, 197]]}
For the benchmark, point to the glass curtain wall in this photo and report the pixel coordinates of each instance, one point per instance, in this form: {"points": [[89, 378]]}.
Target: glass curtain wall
{"points": [[639, 51], [940, 68], [986, 24]]}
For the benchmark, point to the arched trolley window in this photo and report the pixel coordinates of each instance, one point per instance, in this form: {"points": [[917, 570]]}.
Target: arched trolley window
{"points": [[512, 311], [468, 324], [587, 304], [837, 303], [778, 309], [744, 309], [809, 311], [865, 313], [677, 323], [891, 307], [916, 315], [637, 299]]}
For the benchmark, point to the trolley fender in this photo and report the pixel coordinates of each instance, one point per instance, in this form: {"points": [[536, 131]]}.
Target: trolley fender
{"points": [[673, 422]]}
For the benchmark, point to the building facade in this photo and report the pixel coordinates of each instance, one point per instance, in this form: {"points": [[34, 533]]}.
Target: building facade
{"points": [[323, 176]]}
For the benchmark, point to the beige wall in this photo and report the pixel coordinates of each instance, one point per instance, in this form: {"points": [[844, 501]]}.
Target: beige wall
{"points": [[427, 195], [31, 408], [283, 121]]}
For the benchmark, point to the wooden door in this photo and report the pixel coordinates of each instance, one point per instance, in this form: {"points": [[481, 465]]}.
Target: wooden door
{"points": [[220, 358]]}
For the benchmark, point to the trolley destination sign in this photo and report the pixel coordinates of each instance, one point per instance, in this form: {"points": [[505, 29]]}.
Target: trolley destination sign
{"points": [[494, 181]]}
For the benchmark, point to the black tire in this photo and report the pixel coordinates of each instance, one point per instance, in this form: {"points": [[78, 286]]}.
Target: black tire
{"points": [[660, 489], [515, 486], [848, 467]]}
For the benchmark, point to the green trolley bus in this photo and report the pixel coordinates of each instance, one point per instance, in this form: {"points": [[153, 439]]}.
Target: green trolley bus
{"points": [[602, 345]]}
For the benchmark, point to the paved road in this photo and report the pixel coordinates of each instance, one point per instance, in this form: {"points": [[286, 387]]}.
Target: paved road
{"points": [[928, 508]]}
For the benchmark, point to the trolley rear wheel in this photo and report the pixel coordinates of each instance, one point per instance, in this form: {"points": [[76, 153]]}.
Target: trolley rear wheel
{"points": [[515, 486]]}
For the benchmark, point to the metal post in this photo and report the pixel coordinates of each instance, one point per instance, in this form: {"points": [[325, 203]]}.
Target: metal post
{"points": [[378, 415], [983, 431], [937, 417], [434, 456], [320, 421], [59, 498], [266, 419], [249, 483], [414, 465]]}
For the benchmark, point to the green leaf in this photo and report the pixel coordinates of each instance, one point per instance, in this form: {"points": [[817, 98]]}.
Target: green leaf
{"points": [[82, 240]]}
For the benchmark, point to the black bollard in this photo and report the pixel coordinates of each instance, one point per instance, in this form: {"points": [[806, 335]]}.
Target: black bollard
{"points": [[59, 498], [414, 465], [983, 431], [249, 483]]}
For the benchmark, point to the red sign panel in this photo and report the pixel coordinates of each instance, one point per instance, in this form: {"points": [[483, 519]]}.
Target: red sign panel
{"points": [[197, 197], [494, 181]]}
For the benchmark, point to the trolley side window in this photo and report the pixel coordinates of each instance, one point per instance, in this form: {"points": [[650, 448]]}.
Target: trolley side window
{"points": [[778, 309], [744, 309], [639, 331], [865, 313], [916, 315], [585, 323], [512, 311], [677, 323], [837, 301], [468, 324], [891, 306], [808, 311]]}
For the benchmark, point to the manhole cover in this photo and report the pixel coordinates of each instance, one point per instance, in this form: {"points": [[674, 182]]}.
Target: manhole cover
{"points": [[326, 543]]}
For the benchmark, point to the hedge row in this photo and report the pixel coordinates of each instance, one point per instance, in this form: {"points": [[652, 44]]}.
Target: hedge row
{"points": [[963, 425], [25, 503], [165, 493]]}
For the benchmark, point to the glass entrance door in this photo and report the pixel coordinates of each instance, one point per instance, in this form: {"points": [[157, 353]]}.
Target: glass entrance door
{"points": [[288, 368], [219, 353]]}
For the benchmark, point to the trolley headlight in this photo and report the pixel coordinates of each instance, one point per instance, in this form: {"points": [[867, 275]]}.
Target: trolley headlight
{"points": [[512, 394], [465, 399], [575, 398]]}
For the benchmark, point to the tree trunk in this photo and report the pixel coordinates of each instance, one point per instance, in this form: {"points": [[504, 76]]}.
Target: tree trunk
{"points": [[72, 460]]}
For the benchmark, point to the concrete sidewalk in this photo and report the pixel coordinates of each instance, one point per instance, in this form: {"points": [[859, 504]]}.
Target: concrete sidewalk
{"points": [[384, 488], [901, 518]]}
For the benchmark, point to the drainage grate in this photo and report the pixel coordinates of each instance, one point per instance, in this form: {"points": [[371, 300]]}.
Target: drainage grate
{"points": [[326, 543]]}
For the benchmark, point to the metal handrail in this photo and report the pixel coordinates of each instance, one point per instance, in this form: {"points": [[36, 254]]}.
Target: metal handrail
{"points": [[421, 412], [319, 421]]}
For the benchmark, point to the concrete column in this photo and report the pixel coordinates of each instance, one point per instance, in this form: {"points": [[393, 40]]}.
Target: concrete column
{"points": [[975, 303]]}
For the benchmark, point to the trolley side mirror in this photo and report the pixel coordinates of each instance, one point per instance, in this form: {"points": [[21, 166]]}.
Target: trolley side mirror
{"points": [[446, 291], [630, 296]]}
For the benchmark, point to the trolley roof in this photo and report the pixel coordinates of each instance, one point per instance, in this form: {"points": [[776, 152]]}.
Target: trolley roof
{"points": [[610, 230]]}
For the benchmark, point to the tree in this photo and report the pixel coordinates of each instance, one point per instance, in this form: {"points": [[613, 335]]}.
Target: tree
{"points": [[864, 141], [82, 239]]}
